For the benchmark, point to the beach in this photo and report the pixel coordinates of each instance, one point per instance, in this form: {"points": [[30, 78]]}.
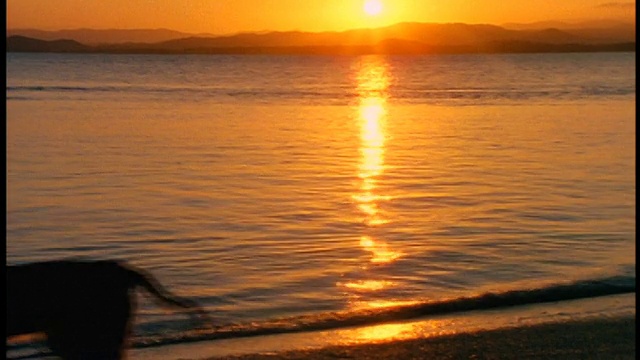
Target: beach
{"points": [[595, 328], [592, 328], [605, 338]]}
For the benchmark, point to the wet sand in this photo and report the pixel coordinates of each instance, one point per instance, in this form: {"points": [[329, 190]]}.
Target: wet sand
{"points": [[585, 339]]}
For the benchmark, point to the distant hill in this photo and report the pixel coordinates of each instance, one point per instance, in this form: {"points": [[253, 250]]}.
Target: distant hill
{"points": [[25, 44], [597, 31], [108, 36], [404, 38]]}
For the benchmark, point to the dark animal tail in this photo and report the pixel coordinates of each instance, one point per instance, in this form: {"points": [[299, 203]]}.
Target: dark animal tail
{"points": [[148, 282]]}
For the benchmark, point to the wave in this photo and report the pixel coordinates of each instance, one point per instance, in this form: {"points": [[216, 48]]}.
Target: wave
{"points": [[335, 320], [341, 96], [614, 285]]}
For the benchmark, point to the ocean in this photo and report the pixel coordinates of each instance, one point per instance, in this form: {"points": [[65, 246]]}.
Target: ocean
{"points": [[295, 193]]}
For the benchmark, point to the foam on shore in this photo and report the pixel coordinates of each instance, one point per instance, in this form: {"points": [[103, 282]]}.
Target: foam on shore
{"points": [[589, 328]]}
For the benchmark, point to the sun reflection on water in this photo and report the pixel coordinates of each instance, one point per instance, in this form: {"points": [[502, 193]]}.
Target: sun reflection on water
{"points": [[397, 331], [372, 82], [379, 249], [387, 332], [368, 285]]}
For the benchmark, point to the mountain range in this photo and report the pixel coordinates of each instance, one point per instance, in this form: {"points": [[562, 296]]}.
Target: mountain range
{"points": [[403, 38]]}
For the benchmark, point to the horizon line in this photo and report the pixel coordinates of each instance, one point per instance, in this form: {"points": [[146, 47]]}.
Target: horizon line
{"points": [[564, 22]]}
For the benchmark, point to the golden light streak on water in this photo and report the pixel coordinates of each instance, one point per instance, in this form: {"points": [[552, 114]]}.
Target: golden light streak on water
{"points": [[386, 332], [372, 82], [398, 331], [378, 304], [380, 250], [368, 285]]}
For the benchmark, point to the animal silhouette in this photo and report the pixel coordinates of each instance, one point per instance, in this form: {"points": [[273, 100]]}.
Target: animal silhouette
{"points": [[85, 308]]}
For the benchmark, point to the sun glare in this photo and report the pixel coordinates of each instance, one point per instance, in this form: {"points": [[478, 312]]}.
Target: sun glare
{"points": [[372, 7]]}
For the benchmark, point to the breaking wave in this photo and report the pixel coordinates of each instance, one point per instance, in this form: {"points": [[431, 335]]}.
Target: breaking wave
{"points": [[578, 290], [335, 320]]}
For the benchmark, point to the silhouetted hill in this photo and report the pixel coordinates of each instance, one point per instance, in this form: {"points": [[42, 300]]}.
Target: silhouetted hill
{"points": [[404, 38], [596, 31], [25, 44], [104, 36], [465, 34], [437, 35]]}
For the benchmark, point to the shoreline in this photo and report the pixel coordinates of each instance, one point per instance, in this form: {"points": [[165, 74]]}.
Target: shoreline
{"points": [[589, 328], [605, 338]]}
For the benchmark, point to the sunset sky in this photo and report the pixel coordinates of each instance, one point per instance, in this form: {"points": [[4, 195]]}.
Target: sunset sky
{"points": [[231, 16]]}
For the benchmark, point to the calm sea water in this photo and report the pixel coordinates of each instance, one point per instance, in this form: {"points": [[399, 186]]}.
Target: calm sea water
{"points": [[302, 192]]}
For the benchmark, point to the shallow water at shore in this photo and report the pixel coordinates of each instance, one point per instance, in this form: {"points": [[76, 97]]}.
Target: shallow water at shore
{"points": [[596, 339], [579, 315]]}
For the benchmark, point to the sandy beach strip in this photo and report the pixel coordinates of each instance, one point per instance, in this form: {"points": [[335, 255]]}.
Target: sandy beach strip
{"points": [[603, 338]]}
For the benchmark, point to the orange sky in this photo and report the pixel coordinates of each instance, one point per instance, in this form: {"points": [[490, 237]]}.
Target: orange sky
{"points": [[230, 16]]}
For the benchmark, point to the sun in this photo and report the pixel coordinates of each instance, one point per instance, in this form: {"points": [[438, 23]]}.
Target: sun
{"points": [[372, 7]]}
